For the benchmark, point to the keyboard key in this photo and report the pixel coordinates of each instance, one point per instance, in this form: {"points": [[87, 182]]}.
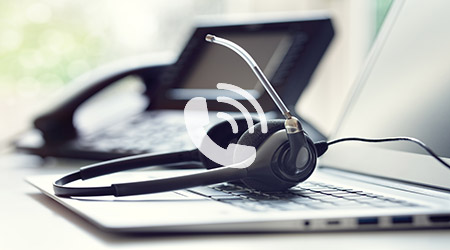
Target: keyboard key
{"points": [[323, 205], [209, 192], [346, 203], [259, 197], [302, 200], [250, 205]]}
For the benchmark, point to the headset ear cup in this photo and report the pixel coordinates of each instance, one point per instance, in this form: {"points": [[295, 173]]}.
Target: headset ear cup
{"points": [[257, 137], [263, 175], [222, 134]]}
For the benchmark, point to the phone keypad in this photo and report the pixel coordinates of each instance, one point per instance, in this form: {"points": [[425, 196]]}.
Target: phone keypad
{"points": [[145, 133]]}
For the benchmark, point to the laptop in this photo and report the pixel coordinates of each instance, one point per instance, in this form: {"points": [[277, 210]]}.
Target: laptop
{"points": [[357, 186]]}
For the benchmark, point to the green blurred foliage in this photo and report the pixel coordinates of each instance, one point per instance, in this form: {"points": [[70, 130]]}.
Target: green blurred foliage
{"points": [[44, 43]]}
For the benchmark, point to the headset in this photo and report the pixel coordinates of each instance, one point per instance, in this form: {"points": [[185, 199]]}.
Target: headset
{"points": [[285, 155]]}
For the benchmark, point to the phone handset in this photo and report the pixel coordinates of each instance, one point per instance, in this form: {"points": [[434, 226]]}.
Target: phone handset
{"points": [[56, 124], [196, 118]]}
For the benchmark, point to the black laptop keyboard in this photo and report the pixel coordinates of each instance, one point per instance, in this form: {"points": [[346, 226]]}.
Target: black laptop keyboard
{"points": [[307, 196]]}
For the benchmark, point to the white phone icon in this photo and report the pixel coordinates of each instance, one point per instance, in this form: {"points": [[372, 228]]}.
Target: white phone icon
{"points": [[196, 119]]}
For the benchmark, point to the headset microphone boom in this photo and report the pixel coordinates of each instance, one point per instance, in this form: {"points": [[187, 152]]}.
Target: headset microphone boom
{"points": [[300, 152]]}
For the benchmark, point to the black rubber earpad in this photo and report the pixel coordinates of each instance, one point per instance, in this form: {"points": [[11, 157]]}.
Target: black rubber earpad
{"points": [[222, 134], [256, 138]]}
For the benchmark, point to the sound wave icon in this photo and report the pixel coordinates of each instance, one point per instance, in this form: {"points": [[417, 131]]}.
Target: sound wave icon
{"points": [[196, 117], [241, 108]]}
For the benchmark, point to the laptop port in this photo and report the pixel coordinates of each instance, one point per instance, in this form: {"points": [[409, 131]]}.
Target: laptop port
{"points": [[402, 219], [443, 218], [333, 222], [368, 221]]}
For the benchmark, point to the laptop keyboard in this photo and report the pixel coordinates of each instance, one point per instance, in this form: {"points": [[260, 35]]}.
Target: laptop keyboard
{"points": [[308, 196]]}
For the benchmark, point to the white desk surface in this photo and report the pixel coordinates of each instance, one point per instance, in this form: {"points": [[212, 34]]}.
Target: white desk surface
{"points": [[30, 220]]}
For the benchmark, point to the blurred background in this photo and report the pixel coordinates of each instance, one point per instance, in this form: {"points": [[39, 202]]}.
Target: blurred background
{"points": [[45, 44]]}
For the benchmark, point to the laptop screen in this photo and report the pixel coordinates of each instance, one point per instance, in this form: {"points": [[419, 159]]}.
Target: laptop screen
{"points": [[403, 91]]}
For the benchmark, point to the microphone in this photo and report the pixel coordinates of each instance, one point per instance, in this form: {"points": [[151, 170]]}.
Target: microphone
{"points": [[298, 155], [254, 66]]}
